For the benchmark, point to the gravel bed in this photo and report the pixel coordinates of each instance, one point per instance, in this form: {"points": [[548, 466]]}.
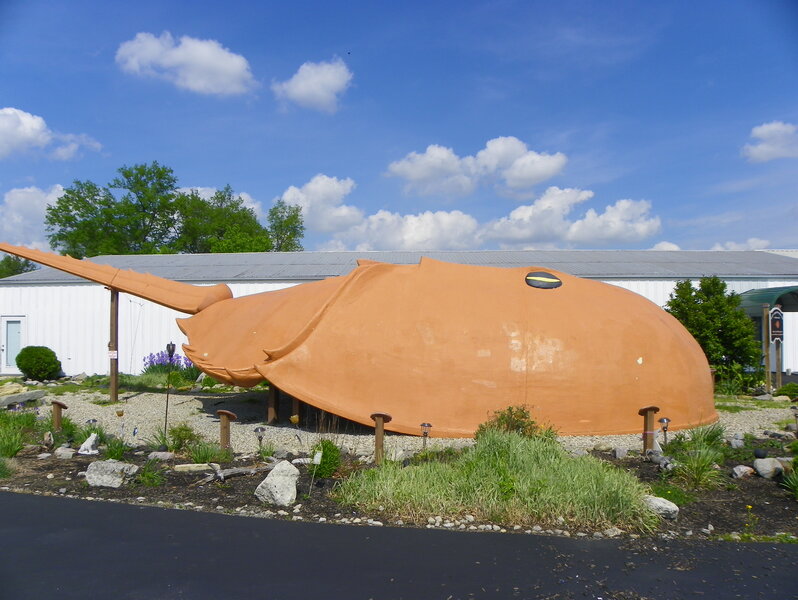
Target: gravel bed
{"points": [[145, 413]]}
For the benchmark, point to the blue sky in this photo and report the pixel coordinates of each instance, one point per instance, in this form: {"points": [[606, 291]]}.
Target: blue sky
{"points": [[419, 125]]}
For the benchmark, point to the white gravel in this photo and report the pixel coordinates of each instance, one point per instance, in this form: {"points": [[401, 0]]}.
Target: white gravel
{"points": [[145, 412]]}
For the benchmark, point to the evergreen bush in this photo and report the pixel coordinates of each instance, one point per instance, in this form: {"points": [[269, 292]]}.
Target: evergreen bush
{"points": [[38, 363]]}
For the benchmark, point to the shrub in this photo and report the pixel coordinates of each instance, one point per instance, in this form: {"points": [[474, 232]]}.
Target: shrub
{"points": [[697, 468], [38, 363], [788, 389], [181, 436], [330, 459], [515, 419]]}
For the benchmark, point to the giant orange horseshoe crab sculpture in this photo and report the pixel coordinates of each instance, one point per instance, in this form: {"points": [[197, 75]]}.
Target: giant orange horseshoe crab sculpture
{"points": [[441, 343]]}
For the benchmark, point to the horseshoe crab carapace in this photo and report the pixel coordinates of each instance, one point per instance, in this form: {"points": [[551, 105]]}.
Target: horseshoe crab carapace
{"points": [[441, 343]]}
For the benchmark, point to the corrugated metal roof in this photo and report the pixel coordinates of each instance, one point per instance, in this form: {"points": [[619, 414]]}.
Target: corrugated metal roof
{"points": [[305, 266]]}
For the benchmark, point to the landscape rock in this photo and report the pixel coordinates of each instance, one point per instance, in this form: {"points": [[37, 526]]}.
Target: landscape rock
{"points": [[10, 388], [192, 468], [7, 399], [781, 398], [763, 397], [602, 447], [65, 453], [161, 456], [664, 508], [79, 378], [279, 487], [792, 427], [768, 467], [109, 473], [89, 446], [619, 453], [736, 443], [742, 471]]}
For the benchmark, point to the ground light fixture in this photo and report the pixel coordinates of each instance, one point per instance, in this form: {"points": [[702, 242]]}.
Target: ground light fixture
{"points": [[259, 431], [664, 421], [425, 427]]}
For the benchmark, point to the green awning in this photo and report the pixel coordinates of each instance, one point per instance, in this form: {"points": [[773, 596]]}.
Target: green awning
{"points": [[752, 300]]}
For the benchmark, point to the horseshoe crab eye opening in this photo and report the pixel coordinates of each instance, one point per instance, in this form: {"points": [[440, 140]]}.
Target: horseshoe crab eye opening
{"points": [[543, 280]]}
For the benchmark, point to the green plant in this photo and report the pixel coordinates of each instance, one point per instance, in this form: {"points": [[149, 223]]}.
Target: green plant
{"points": [[435, 454], [793, 447], [710, 436], [181, 436], [790, 483], [116, 448], [38, 362], [515, 419], [5, 468], [265, 451], [330, 459], [11, 441], [788, 389], [151, 474], [732, 408], [696, 469], [206, 452], [83, 433]]}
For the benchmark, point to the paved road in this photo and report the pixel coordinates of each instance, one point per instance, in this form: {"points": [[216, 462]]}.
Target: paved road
{"points": [[57, 548]]}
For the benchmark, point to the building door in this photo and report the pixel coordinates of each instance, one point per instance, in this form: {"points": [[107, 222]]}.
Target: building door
{"points": [[11, 336]]}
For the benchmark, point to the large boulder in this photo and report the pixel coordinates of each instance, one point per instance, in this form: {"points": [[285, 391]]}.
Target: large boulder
{"points": [[768, 467], [109, 473], [664, 508], [279, 487]]}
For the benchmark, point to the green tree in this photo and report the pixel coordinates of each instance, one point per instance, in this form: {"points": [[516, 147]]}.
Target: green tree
{"points": [[13, 265], [141, 211], [220, 224], [286, 227], [717, 322]]}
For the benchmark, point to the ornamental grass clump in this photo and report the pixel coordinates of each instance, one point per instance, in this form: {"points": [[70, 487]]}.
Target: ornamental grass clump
{"points": [[330, 459], [5, 468], [206, 452], [115, 448], [507, 478]]}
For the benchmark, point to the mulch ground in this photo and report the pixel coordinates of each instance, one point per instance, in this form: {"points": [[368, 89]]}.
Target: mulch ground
{"points": [[723, 510]]}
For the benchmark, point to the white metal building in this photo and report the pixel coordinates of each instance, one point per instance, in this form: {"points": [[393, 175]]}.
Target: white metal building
{"points": [[70, 315]]}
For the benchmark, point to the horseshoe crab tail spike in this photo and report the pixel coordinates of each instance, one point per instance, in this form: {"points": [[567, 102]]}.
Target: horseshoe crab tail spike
{"points": [[182, 297]]}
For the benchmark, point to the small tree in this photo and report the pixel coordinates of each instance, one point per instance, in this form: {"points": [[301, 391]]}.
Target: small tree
{"points": [[716, 321], [11, 265]]}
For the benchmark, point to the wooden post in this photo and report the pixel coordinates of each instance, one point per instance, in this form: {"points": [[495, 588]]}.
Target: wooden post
{"points": [[379, 433], [113, 346], [271, 404], [225, 416], [648, 426], [766, 343], [57, 407], [779, 365]]}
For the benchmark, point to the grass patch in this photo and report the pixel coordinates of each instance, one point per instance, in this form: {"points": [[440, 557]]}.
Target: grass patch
{"points": [[151, 474], [206, 452], [11, 441], [733, 408], [5, 468], [507, 478], [266, 450], [675, 494]]}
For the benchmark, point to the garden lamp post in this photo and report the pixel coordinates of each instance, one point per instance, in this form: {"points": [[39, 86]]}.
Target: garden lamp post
{"points": [[664, 422], [170, 351], [425, 427]]}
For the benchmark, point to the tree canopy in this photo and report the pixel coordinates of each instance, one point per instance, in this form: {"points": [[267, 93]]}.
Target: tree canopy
{"points": [[13, 265], [717, 322], [141, 211]]}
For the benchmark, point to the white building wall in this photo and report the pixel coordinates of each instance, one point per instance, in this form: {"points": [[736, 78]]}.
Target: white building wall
{"points": [[74, 320]]}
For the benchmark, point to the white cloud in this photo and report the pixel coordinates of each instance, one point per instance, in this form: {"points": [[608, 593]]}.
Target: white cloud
{"points": [[623, 222], [321, 200], [439, 171], [318, 86], [439, 230], [542, 221], [776, 140], [546, 221], [665, 246], [750, 244], [202, 66], [22, 215], [22, 131]]}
